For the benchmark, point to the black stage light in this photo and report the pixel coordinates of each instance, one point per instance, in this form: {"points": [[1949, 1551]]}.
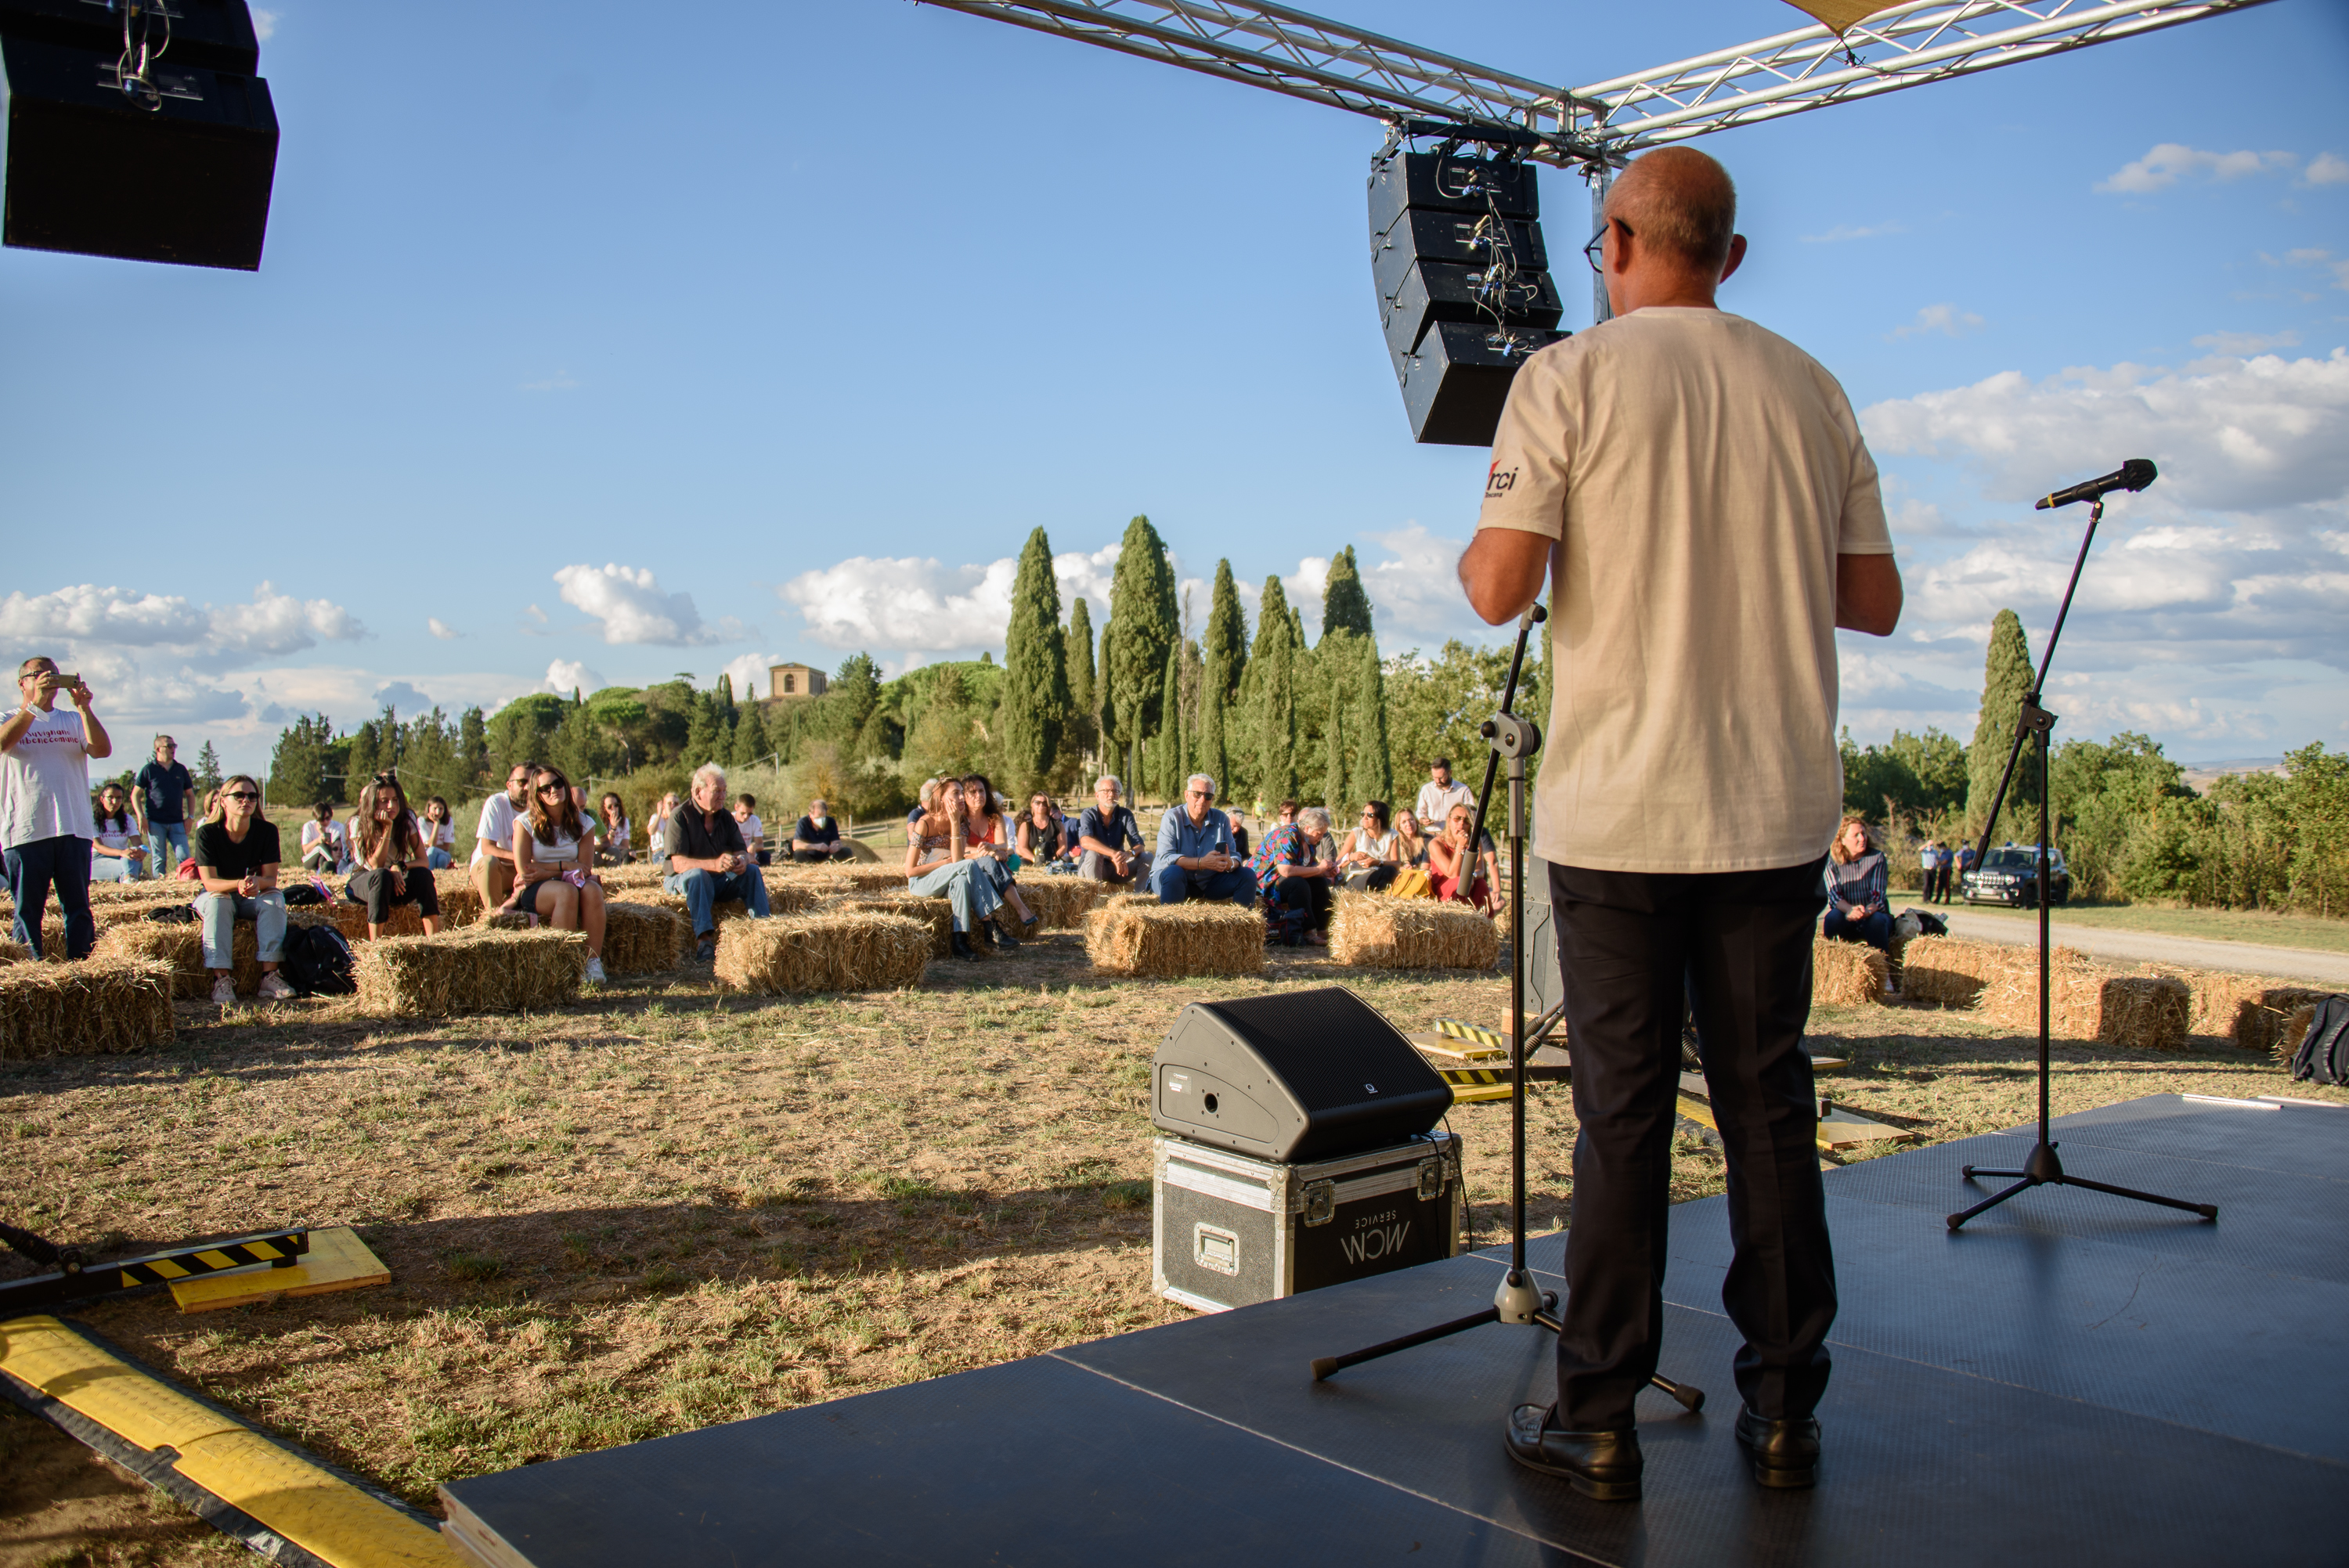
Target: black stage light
{"points": [[121, 142]]}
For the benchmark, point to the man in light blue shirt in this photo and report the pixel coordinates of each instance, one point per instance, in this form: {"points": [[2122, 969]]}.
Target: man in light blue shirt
{"points": [[1196, 857]]}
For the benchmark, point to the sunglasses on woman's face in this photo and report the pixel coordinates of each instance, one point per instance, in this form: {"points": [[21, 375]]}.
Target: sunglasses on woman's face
{"points": [[552, 789], [241, 795]]}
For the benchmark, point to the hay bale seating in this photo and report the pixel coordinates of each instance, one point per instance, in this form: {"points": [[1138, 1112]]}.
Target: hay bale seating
{"points": [[2254, 1011], [99, 1005], [1375, 931], [1847, 973], [838, 877], [845, 950], [937, 914], [645, 939], [181, 945], [2085, 1001], [479, 970], [1175, 939], [1061, 903], [1949, 970], [459, 905], [2295, 1029], [2146, 1012]]}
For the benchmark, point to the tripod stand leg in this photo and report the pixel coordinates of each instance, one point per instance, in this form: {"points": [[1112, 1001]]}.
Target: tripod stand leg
{"points": [[1968, 1172], [2207, 1211], [1993, 1202], [1326, 1365]]}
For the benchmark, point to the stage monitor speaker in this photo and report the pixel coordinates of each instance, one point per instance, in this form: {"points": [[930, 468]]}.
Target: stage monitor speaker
{"points": [[1294, 1076], [216, 35], [1457, 381], [1451, 182], [1445, 291], [89, 170], [1449, 237]]}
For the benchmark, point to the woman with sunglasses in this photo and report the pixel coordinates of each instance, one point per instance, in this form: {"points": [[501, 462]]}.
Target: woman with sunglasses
{"points": [[389, 851], [554, 878], [235, 855], [1043, 837], [1369, 861]]}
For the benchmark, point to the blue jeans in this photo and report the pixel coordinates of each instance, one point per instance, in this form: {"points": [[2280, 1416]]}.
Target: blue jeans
{"points": [[219, 913], [440, 861], [162, 835], [36, 866], [1876, 929], [1173, 884], [705, 890], [966, 887], [113, 868]]}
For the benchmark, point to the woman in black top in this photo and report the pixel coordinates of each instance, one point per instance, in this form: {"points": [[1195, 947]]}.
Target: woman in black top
{"points": [[235, 851], [392, 857]]}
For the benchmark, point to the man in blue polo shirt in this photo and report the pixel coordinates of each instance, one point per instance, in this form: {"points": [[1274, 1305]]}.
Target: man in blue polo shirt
{"points": [[163, 788], [1196, 857]]}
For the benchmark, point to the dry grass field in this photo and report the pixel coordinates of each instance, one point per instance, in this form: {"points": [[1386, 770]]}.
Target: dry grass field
{"points": [[665, 1206]]}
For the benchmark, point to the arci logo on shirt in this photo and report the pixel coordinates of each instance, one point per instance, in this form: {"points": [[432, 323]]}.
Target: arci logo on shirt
{"points": [[52, 735], [1497, 483]]}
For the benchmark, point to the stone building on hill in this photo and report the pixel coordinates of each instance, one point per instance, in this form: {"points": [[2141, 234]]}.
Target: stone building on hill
{"points": [[789, 682]]}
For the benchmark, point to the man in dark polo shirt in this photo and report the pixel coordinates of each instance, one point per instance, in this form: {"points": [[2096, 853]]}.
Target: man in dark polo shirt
{"points": [[708, 862], [817, 837]]}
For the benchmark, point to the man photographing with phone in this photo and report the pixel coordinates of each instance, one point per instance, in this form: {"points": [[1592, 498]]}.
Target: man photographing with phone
{"points": [[45, 817], [1696, 489]]}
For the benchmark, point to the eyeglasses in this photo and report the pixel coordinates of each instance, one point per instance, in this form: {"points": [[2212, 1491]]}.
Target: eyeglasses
{"points": [[241, 795], [1595, 252], [552, 789], [1200, 794]]}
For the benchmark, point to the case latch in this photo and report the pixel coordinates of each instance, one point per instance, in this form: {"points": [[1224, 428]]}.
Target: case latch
{"points": [[1321, 1201], [1431, 1178]]}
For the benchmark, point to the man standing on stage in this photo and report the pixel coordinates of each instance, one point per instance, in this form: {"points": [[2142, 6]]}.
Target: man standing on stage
{"points": [[1698, 491]]}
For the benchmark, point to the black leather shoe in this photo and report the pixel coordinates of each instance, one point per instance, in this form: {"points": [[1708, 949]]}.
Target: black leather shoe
{"points": [[1000, 932], [959, 945], [1785, 1453], [1604, 1466]]}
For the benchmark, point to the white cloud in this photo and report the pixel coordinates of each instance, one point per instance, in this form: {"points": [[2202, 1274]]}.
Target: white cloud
{"points": [[441, 629], [2322, 259], [2238, 434], [2242, 344], [628, 601], [1946, 319], [564, 675], [1843, 231], [749, 672], [2171, 161], [2327, 169], [915, 605], [264, 24]]}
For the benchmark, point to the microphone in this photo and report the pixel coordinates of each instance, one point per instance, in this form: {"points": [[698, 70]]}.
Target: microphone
{"points": [[2132, 475]]}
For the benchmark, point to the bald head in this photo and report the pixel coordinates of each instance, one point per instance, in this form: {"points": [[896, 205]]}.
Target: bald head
{"points": [[1681, 202]]}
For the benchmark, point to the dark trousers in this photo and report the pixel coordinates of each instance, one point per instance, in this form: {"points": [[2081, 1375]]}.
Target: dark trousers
{"points": [[385, 890], [35, 867], [1634, 948], [1312, 895], [1874, 928]]}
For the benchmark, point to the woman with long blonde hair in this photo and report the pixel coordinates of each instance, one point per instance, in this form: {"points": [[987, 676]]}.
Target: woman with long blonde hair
{"points": [[1857, 878]]}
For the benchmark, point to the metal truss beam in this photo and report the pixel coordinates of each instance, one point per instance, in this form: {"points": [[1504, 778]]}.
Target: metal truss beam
{"points": [[1311, 57]]}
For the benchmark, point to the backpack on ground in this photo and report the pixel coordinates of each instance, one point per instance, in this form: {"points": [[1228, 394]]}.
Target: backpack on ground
{"points": [[2324, 1055], [317, 962]]}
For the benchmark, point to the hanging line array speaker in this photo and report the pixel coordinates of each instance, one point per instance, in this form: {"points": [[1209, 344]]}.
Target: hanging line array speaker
{"points": [[151, 142], [1464, 286]]}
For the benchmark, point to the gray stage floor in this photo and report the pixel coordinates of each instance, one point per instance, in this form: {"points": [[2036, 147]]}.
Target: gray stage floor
{"points": [[2072, 1378]]}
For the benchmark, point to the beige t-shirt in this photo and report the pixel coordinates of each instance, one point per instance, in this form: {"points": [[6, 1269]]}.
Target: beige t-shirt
{"points": [[1702, 474]]}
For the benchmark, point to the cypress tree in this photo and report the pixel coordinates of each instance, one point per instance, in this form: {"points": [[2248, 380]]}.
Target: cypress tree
{"points": [[705, 737], [1143, 626], [1112, 739], [1276, 717], [1034, 705], [2006, 681], [1214, 756], [1333, 776], [1225, 649], [1172, 761], [1083, 731], [1372, 775], [1345, 607]]}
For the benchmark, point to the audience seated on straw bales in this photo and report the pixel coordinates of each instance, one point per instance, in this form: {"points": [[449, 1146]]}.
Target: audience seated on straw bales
{"points": [[753, 831], [1456, 872], [708, 861], [987, 841], [1370, 858], [236, 854], [940, 863], [1377, 931], [1857, 877], [832, 950], [1196, 859], [493, 862], [656, 832], [322, 840], [1108, 840], [392, 857], [815, 839], [440, 825], [554, 874], [1045, 838], [1293, 881], [117, 849], [613, 832]]}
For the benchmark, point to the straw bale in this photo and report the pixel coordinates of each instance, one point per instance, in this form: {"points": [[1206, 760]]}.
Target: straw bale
{"points": [[1061, 902], [642, 939], [1125, 901], [1380, 931], [855, 876], [2295, 1029], [2076, 1003], [636, 877], [1170, 941], [2252, 1010], [80, 1009], [1952, 970], [1850, 972], [181, 945], [854, 950], [2145, 1012], [936, 912], [459, 905], [476, 970], [14, 952]]}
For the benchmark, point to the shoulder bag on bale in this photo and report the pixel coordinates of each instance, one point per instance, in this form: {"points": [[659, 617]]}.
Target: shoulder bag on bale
{"points": [[2325, 1054], [317, 962]]}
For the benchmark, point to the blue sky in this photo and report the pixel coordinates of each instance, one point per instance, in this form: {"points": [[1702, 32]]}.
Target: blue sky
{"points": [[612, 343]]}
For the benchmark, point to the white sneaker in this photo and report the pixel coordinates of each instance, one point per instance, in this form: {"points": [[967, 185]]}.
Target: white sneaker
{"points": [[275, 989], [224, 992], [595, 972]]}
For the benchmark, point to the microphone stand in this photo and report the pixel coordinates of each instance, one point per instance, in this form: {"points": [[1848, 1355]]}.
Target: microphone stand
{"points": [[2042, 1169], [1517, 1300]]}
